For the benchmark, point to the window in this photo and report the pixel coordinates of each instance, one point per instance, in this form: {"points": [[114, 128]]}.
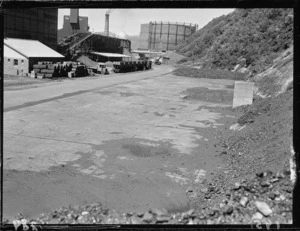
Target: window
{"points": [[15, 62], [8, 60]]}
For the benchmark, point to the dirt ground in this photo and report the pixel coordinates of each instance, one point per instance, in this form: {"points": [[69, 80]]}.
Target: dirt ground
{"points": [[162, 142], [130, 146]]}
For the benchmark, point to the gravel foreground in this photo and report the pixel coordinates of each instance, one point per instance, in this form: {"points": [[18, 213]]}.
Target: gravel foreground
{"points": [[265, 199], [255, 188]]}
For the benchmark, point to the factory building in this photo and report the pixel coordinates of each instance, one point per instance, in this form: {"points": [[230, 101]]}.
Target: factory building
{"points": [[86, 42], [32, 23], [72, 24], [164, 35], [21, 54]]}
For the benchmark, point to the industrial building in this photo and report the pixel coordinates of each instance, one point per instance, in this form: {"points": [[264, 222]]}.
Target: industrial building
{"points": [[86, 42], [32, 23], [164, 35], [21, 54], [72, 24]]}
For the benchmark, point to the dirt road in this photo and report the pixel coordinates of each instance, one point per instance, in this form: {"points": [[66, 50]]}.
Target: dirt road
{"points": [[130, 141]]}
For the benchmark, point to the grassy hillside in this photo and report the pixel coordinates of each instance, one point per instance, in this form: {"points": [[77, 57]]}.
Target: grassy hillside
{"points": [[252, 38]]}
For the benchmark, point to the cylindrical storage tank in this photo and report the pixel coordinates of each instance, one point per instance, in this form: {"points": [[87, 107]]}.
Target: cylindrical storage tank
{"points": [[166, 35]]}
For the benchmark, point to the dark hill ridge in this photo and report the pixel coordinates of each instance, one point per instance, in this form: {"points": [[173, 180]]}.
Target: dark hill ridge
{"points": [[252, 38]]}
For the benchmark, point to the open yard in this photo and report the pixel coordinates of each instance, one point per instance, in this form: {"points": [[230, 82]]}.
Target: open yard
{"points": [[132, 142]]}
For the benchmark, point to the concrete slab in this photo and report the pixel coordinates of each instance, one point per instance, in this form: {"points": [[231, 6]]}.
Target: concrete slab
{"points": [[120, 145], [243, 93]]}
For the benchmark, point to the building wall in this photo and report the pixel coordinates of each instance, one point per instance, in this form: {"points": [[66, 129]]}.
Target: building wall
{"points": [[103, 43], [164, 36], [36, 24], [144, 37], [11, 69], [67, 27]]}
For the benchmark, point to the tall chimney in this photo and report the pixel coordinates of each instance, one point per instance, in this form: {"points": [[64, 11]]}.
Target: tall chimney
{"points": [[106, 29]]}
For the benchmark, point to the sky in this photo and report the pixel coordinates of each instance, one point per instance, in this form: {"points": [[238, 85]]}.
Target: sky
{"points": [[128, 21]]}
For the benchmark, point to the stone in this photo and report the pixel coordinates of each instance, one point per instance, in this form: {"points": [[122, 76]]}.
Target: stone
{"points": [[148, 217], [162, 219], [272, 195], [274, 180], [237, 186], [244, 201], [227, 209], [257, 216], [190, 212], [190, 222], [261, 174], [207, 196], [265, 184], [288, 189], [263, 207], [204, 190], [209, 222], [282, 197], [189, 190], [135, 220], [159, 212], [84, 213]]}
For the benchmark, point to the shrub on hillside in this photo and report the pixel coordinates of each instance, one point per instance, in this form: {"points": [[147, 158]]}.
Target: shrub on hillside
{"points": [[208, 73], [258, 35]]}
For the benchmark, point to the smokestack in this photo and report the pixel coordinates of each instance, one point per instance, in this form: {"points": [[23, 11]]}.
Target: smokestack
{"points": [[106, 29]]}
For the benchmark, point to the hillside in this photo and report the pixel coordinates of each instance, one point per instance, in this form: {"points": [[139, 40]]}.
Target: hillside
{"points": [[253, 38]]}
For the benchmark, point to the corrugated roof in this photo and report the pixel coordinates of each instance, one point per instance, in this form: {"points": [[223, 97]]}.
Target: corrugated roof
{"points": [[112, 55], [31, 48], [10, 53], [146, 52]]}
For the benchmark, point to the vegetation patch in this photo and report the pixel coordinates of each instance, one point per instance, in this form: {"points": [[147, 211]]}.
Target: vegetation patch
{"points": [[254, 37], [205, 94], [208, 73]]}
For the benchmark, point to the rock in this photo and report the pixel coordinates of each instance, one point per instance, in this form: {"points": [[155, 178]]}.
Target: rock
{"points": [[162, 219], [207, 196], [190, 222], [257, 216], [227, 209], [190, 212], [282, 197], [265, 184], [274, 180], [196, 221], [84, 213], [148, 217], [279, 175], [288, 189], [237, 186], [261, 174], [221, 205], [277, 193], [210, 222], [244, 201], [140, 213], [263, 207], [272, 195], [204, 190], [189, 190], [135, 220], [159, 212]]}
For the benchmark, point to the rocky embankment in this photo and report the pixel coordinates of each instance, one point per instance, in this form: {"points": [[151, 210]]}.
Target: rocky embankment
{"points": [[266, 198]]}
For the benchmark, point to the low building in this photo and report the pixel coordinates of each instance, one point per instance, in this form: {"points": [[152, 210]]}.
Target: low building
{"points": [[21, 54]]}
